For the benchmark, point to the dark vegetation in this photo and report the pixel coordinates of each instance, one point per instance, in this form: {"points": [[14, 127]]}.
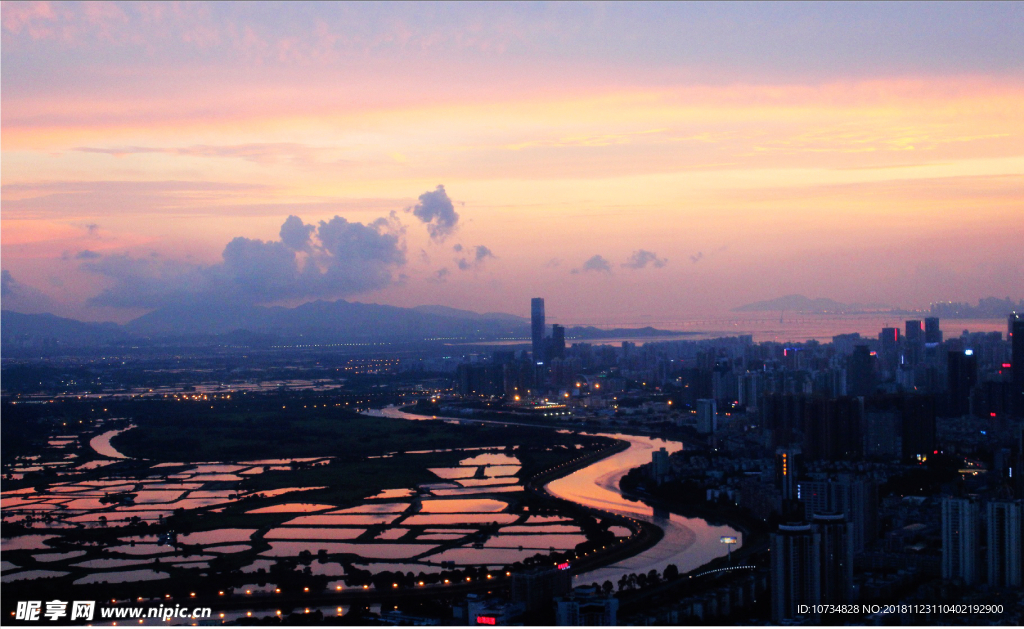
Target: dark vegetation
{"points": [[24, 429], [281, 428]]}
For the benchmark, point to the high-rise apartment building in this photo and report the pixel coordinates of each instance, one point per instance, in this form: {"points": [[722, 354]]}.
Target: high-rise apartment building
{"points": [[856, 499], [889, 349], [860, 372], [707, 416], [556, 345], [832, 428], [917, 426], [913, 342], [660, 466], [787, 461], [960, 540], [835, 534], [1004, 543], [962, 371], [796, 570]]}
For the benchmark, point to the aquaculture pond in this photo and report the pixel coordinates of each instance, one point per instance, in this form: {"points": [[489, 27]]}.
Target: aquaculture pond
{"points": [[133, 523]]}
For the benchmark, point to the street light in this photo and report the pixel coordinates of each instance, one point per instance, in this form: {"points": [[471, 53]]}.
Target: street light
{"points": [[729, 541]]}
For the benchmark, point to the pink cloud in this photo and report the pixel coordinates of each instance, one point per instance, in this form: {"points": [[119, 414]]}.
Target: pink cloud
{"points": [[36, 18]]}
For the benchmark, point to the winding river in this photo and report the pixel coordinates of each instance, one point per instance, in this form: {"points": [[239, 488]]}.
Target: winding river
{"points": [[101, 443], [688, 542]]}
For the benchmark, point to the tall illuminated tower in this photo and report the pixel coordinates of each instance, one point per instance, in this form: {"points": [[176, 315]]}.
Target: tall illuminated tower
{"points": [[537, 327]]}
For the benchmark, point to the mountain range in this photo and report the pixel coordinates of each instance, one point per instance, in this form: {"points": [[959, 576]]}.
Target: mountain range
{"points": [[314, 322]]}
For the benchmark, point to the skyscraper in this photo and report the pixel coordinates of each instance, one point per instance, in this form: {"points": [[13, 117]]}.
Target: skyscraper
{"points": [[860, 372], [857, 499], [787, 461], [832, 428], [932, 333], [537, 328], [557, 344], [963, 375], [914, 345], [836, 555], [917, 426], [960, 540], [796, 570], [707, 416], [889, 344], [1016, 331], [1004, 544]]}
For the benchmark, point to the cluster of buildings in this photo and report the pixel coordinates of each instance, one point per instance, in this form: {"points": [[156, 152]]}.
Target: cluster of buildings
{"points": [[896, 381], [536, 594], [823, 442]]}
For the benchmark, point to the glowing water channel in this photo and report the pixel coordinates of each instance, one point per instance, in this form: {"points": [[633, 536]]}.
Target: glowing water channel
{"points": [[101, 443], [688, 542]]}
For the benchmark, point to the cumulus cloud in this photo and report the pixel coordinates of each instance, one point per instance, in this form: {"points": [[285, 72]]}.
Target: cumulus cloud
{"points": [[480, 255], [457, 248], [436, 210], [641, 258], [339, 258], [697, 257], [296, 235], [596, 264]]}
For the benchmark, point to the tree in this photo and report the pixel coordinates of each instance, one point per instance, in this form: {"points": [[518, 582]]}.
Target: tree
{"points": [[608, 588], [671, 572], [653, 578]]}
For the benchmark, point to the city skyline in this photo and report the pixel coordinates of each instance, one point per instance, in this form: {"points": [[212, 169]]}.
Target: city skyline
{"points": [[666, 161]]}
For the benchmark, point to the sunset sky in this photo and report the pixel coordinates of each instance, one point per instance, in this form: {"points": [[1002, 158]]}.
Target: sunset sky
{"points": [[621, 160]]}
